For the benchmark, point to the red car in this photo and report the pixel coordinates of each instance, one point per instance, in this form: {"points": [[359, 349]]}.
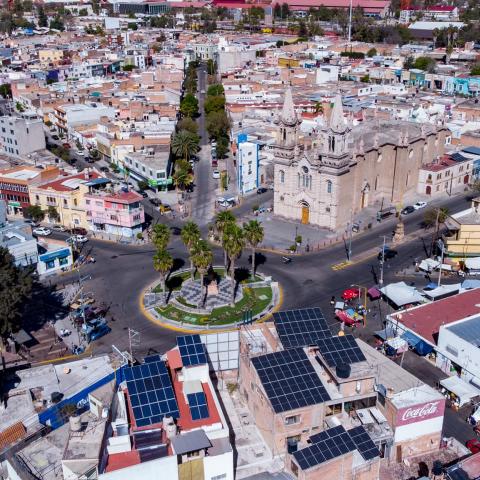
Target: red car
{"points": [[350, 294], [473, 445]]}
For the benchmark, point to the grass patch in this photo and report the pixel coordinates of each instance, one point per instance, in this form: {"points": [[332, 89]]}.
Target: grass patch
{"points": [[184, 302], [254, 299]]}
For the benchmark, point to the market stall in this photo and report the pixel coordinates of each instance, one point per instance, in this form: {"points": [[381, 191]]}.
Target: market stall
{"points": [[460, 391]]}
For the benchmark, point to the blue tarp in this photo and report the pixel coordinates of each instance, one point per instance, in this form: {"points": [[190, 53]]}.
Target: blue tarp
{"points": [[469, 284], [387, 332], [419, 345]]}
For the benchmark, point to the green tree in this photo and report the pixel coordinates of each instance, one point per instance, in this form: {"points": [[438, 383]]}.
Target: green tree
{"points": [[15, 288], [83, 12], [34, 212], [211, 67], [215, 90], [223, 146], [184, 144], [474, 71], [426, 64], [217, 124], [372, 52], [128, 68], [430, 216], [302, 29], [190, 236], [214, 104], [233, 243], [189, 106], [285, 9], [57, 24], [132, 26], [182, 178], [222, 220], [202, 258], [53, 214], [6, 90], [142, 185], [408, 63], [19, 107], [188, 124], [277, 10], [254, 234], [42, 17], [160, 236], [96, 6], [163, 263]]}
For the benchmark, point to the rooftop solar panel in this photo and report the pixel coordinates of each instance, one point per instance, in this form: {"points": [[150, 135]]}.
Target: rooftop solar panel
{"points": [[191, 350], [198, 405], [329, 444], [151, 392], [289, 380], [301, 328], [340, 350], [363, 443]]}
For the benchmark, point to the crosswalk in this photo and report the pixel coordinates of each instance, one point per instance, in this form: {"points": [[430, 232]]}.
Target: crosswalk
{"points": [[341, 265]]}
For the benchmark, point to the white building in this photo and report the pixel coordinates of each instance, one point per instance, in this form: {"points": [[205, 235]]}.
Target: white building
{"points": [[69, 116], [54, 255], [326, 74], [247, 165], [22, 134], [151, 166]]}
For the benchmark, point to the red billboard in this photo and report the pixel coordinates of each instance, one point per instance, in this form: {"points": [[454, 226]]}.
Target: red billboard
{"points": [[420, 412]]}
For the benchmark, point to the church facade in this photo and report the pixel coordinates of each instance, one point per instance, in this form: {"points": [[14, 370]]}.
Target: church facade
{"points": [[346, 169]]}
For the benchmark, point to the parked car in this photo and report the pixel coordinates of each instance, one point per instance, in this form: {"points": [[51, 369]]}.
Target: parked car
{"points": [[66, 145], [407, 210], [104, 169], [286, 260], [164, 208], [155, 201], [42, 231], [59, 227], [81, 153], [419, 205], [77, 239], [143, 194], [214, 163], [55, 137], [99, 332], [350, 294], [89, 160], [216, 174], [78, 231], [31, 222], [473, 445], [387, 255], [261, 190], [176, 230]]}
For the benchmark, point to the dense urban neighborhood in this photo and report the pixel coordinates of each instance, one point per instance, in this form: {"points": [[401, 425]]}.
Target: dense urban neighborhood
{"points": [[239, 239]]}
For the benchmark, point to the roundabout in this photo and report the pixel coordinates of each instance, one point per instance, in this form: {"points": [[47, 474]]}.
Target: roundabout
{"points": [[214, 302]]}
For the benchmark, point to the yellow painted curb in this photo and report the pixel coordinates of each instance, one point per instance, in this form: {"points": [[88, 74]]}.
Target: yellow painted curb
{"points": [[87, 352], [174, 328]]}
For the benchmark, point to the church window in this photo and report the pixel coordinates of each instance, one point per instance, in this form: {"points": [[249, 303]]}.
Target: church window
{"points": [[331, 144], [284, 134], [329, 186], [298, 180], [305, 169], [310, 179], [282, 176], [376, 182]]}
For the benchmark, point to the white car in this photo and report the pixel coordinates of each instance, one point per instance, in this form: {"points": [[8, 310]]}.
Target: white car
{"points": [[216, 174], [419, 205], [77, 239], [42, 231], [81, 153]]}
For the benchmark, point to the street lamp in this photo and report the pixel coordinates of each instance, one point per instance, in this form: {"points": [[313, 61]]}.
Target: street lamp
{"points": [[365, 290]]}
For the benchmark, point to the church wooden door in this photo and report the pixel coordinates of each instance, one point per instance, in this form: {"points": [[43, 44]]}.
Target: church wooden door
{"points": [[305, 215]]}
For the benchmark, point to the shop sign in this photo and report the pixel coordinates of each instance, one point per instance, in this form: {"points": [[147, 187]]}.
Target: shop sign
{"points": [[420, 412]]}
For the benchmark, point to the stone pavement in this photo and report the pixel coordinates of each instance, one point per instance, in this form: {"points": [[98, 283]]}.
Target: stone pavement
{"points": [[193, 294]]}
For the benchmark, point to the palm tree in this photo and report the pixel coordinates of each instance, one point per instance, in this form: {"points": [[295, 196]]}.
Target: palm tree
{"points": [[233, 243], [254, 233], [163, 263], [182, 179], [160, 236], [185, 144], [202, 258], [223, 219], [190, 236]]}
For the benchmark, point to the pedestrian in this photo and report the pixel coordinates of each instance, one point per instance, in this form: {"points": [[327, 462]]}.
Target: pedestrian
{"points": [[332, 300]]}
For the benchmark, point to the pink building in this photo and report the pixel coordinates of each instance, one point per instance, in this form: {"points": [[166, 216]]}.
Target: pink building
{"points": [[119, 213]]}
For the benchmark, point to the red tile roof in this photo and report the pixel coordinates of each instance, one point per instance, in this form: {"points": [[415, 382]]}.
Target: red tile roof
{"points": [[59, 183], [124, 197], [426, 320], [444, 163], [116, 461], [12, 434], [174, 359]]}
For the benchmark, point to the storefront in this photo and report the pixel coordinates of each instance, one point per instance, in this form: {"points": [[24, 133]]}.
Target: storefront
{"points": [[54, 260]]}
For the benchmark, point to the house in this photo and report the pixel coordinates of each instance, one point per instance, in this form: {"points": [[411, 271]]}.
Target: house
{"points": [[22, 134], [247, 165], [69, 116]]}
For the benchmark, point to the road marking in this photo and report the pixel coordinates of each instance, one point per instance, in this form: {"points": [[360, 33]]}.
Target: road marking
{"points": [[346, 263], [341, 265]]}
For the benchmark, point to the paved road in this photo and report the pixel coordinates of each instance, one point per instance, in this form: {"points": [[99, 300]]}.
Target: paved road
{"points": [[203, 197]]}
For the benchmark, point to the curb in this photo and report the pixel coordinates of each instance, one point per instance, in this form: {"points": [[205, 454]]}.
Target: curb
{"points": [[152, 318], [86, 353]]}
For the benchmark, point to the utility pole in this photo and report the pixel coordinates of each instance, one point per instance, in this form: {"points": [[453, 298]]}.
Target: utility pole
{"points": [[435, 232], [133, 341], [350, 226], [382, 263], [440, 267]]}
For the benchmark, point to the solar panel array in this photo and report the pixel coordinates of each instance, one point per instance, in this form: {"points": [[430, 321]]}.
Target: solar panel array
{"points": [[364, 443], [301, 328], [340, 350], [150, 391], [289, 380], [329, 444], [192, 350], [198, 405]]}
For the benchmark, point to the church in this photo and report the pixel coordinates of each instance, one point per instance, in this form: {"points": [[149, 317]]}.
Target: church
{"points": [[327, 181]]}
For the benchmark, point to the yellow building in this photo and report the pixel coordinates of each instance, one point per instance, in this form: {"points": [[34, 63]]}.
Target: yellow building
{"points": [[50, 55], [66, 196], [462, 239]]}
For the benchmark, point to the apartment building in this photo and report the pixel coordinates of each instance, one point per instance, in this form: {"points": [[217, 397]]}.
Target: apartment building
{"points": [[22, 134], [115, 213], [66, 195], [69, 116]]}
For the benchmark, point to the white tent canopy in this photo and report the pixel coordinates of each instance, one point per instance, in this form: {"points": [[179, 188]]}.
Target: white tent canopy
{"points": [[401, 294], [473, 263], [463, 390]]}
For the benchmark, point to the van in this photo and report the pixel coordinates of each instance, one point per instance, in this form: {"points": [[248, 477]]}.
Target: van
{"points": [[385, 213]]}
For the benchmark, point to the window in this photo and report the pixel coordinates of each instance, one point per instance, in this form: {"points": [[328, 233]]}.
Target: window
{"points": [[75, 201], [114, 218], [292, 420], [63, 261], [49, 265], [329, 186], [282, 176]]}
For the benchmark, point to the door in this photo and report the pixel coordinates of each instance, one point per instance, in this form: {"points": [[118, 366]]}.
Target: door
{"points": [[305, 214], [428, 190]]}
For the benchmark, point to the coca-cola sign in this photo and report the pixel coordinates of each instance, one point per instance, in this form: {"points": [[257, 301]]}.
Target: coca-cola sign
{"points": [[420, 412]]}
